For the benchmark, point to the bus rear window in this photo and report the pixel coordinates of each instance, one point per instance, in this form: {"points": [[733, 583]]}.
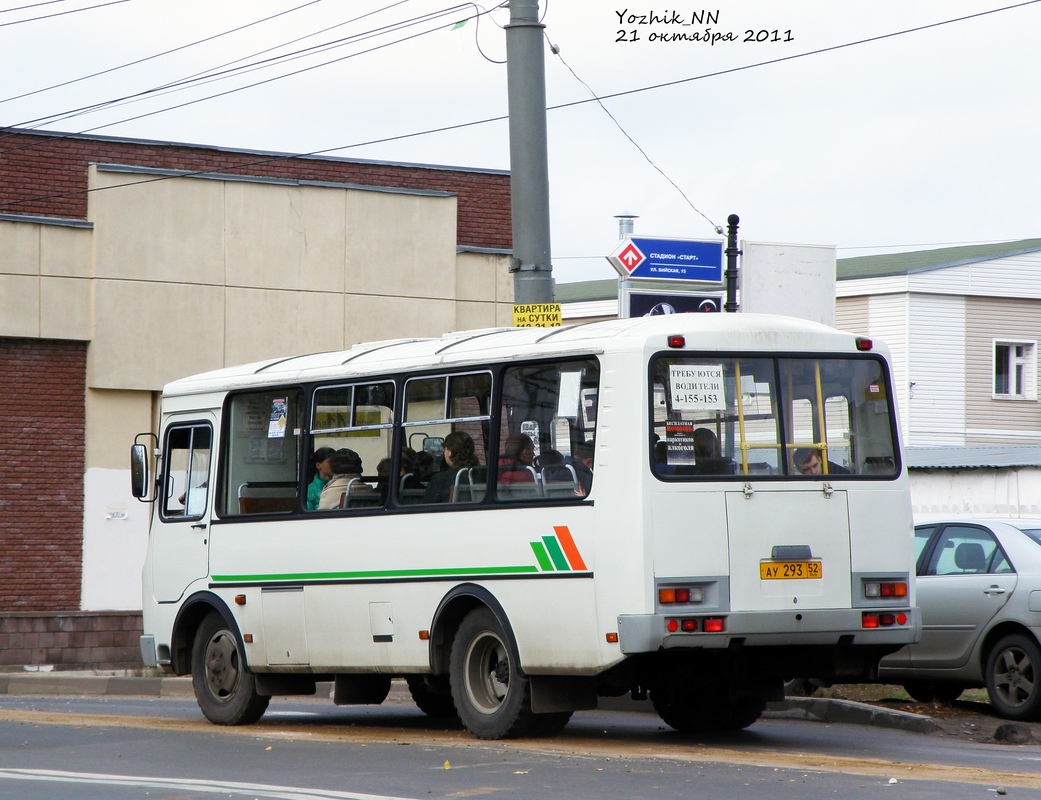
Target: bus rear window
{"points": [[805, 417]]}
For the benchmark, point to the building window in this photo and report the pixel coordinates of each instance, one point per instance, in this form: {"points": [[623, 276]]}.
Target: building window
{"points": [[1015, 370]]}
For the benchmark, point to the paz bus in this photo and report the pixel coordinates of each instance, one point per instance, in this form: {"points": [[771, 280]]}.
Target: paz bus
{"points": [[708, 504]]}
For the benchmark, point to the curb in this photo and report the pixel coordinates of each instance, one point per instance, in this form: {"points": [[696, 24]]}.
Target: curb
{"points": [[814, 709], [59, 684]]}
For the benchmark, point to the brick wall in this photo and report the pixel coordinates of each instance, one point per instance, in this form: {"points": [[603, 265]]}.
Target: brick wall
{"points": [[71, 640], [46, 175], [42, 390]]}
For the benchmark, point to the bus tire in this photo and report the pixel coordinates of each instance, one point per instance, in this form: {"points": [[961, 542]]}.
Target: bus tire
{"points": [[225, 690], [551, 723], [428, 699], [491, 696], [688, 712], [743, 712]]}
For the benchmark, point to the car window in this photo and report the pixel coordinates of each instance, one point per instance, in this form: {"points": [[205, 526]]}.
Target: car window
{"points": [[1033, 533], [965, 550], [922, 535]]}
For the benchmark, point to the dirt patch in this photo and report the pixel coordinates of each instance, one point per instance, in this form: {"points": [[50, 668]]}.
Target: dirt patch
{"points": [[971, 717]]}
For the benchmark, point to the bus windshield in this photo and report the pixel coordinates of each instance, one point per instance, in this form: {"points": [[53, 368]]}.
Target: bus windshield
{"points": [[804, 417]]}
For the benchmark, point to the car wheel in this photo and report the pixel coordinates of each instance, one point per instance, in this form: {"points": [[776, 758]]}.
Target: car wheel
{"points": [[1013, 676]]}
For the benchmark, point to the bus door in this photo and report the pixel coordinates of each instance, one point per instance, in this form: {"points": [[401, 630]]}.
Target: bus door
{"points": [[789, 550], [180, 531]]}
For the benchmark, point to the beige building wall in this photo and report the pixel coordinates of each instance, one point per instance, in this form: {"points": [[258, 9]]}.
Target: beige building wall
{"points": [[169, 278], [988, 419], [45, 271], [851, 314]]}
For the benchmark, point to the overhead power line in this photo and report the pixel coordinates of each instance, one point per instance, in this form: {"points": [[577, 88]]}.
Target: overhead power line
{"points": [[212, 75], [60, 13], [473, 123], [156, 55], [556, 51]]}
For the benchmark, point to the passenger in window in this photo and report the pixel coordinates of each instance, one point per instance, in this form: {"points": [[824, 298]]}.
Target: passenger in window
{"points": [[581, 460], [406, 474], [706, 445], [516, 461], [707, 458], [346, 468], [459, 453], [424, 468], [321, 474], [808, 462], [383, 478]]}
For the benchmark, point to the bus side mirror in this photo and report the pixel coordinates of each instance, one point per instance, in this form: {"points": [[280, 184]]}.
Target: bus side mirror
{"points": [[139, 482]]}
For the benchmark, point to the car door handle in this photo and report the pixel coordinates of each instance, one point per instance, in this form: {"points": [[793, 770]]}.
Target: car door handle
{"points": [[994, 590]]}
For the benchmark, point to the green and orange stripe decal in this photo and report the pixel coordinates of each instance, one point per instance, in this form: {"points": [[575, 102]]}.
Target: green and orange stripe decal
{"points": [[558, 553]]}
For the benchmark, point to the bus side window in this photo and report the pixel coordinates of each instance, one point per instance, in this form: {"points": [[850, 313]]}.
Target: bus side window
{"points": [[445, 413], [358, 418], [260, 466], [547, 431]]}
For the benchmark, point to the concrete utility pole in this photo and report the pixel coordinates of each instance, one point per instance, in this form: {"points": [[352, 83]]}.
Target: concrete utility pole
{"points": [[529, 163]]}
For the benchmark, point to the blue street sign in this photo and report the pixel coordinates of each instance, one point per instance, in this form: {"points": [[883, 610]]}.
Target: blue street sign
{"points": [[669, 259]]}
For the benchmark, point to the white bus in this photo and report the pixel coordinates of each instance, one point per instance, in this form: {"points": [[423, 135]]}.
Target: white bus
{"points": [[692, 508]]}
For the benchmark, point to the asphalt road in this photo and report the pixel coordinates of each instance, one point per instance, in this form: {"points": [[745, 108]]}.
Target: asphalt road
{"points": [[120, 745]]}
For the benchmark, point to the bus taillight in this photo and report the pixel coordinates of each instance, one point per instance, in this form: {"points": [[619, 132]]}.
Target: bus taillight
{"points": [[693, 624], [882, 620], [681, 594], [885, 589], [713, 625]]}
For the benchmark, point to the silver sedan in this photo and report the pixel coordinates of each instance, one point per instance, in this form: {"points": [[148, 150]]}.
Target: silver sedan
{"points": [[979, 589]]}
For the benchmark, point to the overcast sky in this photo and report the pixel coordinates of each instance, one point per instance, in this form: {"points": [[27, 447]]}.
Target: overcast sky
{"points": [[923, 137]]}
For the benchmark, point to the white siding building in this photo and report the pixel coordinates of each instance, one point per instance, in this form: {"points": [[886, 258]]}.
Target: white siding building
{"points": [[963, 325]]}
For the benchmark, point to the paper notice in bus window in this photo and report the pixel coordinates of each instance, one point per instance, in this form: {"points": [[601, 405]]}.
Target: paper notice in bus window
{"points": [[679, 438], [276, 428], [568, 398], [697, 387]]}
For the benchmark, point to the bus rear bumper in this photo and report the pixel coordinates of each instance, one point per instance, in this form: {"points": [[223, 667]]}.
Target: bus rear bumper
{"points": [[645, 633]]}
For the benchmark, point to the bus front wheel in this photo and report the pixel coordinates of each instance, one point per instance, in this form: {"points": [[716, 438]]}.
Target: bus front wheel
{"points": [[225, 690], [492, 697]]}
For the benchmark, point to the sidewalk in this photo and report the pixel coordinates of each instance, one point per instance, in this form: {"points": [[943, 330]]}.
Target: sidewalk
{"points": [[114, 684]]}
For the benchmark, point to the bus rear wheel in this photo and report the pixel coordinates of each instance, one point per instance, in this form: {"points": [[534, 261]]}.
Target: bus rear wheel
{"points": [[491, 696], [707, 710], [225, 690]]}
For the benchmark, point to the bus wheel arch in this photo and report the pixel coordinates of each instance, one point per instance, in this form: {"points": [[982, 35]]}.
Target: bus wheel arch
{"points": [[190, 616], [451, 612]]}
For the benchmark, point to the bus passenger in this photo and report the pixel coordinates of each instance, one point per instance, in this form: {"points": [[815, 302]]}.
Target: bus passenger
{"points": [[345, 465], [706, 445], [406, 474], [459, 453], [518, 455], [581, 460], [424, 468], [808, 462], [321, 475]]}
